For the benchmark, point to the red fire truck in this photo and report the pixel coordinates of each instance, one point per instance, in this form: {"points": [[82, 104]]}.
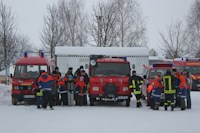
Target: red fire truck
{"points": [[109, 79], [26, 70], [192, 66], [151, 71]]}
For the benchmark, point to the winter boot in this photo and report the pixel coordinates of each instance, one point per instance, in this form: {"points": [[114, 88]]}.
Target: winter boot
{"points": [[138, 105], [51, 108], [166, 108], [182, 104], [172, 108]]}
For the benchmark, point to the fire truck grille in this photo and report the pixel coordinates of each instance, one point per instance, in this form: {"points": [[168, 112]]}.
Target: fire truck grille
{"points": [[25, 88]]}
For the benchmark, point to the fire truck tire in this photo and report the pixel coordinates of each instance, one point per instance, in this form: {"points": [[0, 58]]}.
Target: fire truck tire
{"points": [[14, 101], [92, 101], [127, 103]]}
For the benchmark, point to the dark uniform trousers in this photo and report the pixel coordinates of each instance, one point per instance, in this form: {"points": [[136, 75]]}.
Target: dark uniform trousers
{"points": [[169, 100]]}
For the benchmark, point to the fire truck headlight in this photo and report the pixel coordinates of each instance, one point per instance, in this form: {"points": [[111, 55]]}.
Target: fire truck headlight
{"points": [[16, 87], [95, 88], [29, 88], [125, 88]]}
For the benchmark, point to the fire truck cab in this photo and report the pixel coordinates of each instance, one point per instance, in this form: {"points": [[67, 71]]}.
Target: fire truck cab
{"points": [[151, 71], [26, 71], [109, 79], [192, 66]]}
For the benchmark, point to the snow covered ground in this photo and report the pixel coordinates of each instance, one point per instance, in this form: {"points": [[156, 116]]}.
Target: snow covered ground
{"points": [[102, 118]]}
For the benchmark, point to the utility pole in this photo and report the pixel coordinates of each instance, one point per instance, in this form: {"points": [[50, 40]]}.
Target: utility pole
{"points": [[99, 30]]}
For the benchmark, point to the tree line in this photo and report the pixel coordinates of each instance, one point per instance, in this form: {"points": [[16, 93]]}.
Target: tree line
{"points": [[111, 23]]}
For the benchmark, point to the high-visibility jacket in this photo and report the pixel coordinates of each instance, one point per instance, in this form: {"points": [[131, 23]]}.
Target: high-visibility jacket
{"points": [[150, 88], [169, 83], [134, 83], [183, 87], [157, 87]]}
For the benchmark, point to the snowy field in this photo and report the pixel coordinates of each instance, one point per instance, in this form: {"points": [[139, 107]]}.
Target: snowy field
{"points": [[101, 118]]}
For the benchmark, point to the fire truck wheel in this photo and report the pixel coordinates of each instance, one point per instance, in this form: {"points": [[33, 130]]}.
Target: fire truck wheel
{"points": [[14, 101], [127, 103], [91, 101]]}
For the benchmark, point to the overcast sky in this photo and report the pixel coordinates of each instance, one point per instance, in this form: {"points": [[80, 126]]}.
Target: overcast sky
{"points": [[158, 12]]}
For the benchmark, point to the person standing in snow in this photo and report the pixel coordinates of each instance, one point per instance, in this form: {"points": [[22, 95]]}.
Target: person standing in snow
{"points": [[62, 90], [81, 88], [70, 90], [86, 80], [189, 84], [177, 83], [169, 89], [157, 87], [44, 84], [56, 77], [78, 71], [70, 71], [182, 91], [134, 83]]}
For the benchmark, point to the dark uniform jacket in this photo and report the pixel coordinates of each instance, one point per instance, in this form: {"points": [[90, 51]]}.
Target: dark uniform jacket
{"points": [[169, 83], [134, 83]]}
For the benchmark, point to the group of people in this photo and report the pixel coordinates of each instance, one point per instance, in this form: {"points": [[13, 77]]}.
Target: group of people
{"points": [[174, 84], [71, 88]]}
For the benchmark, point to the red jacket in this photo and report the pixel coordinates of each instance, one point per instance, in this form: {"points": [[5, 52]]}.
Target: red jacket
{"points": [[183, 83], [81, 88]]}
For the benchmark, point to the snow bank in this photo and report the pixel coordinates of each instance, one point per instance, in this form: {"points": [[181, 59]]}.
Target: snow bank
{"points": [[5, 94]]}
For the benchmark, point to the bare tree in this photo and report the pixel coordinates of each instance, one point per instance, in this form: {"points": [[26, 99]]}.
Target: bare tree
{"points": [[72, 16], [122, 24], [8, 39], [131, 24], [102, 24], [193, 24], [174, 42], [52, 31]]}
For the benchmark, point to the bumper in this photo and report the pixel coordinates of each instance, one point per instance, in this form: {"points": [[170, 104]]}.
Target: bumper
{"points": [[118, 98], [195, 88], [22, 97]]}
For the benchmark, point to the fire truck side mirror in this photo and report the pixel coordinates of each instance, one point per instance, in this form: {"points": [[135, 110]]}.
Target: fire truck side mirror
{"points": [[133, 66], [86, 66], [11, 76]]}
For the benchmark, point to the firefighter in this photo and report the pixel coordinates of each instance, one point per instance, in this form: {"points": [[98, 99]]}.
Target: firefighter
{"points": [[134, 84], [62, 90], [44, 84], [157, 87], [70, 71], [169, 89], [151, 99], [56, 77], [182, 91], [189, 84], [177, 83]]}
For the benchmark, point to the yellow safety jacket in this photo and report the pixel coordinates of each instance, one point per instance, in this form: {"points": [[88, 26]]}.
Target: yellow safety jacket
{"points": [[134, 83]]}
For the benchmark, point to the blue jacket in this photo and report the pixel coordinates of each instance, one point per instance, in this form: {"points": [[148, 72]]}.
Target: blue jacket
{"points": [[45, 81]]}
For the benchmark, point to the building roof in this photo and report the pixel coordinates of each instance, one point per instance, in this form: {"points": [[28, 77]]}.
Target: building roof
{"points": [[111, 51]]}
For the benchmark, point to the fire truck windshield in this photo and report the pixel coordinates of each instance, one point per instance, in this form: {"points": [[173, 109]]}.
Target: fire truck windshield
{"points": [[112, 69], [192, 69], [28, 71], [155, 72]]}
